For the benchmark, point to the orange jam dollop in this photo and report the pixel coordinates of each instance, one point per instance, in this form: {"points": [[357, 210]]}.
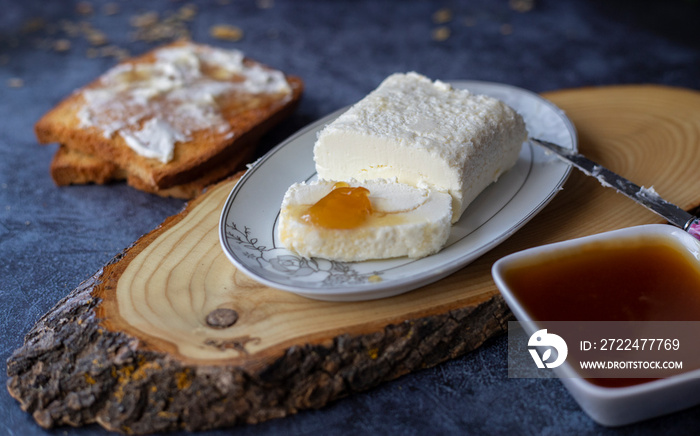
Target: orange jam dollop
{"points": [[343, 208]]}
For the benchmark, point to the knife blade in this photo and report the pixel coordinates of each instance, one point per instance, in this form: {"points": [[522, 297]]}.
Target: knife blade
{"points": [[647, 197]]}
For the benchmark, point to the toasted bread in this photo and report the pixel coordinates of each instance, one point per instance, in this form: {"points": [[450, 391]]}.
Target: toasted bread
{"points": [[243, 115], [70, 167]]}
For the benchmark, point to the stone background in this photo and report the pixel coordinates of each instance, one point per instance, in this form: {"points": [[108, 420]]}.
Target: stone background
{"points": [[53, 238]]}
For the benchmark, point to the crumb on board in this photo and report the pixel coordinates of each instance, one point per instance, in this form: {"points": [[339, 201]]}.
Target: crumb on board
{"points": [[151, 28], [61, 45], [32, 25], [144, 20], [70, 28], [441, 33], [15, 82], [187, 12], [226, 32], [148, 26], [114, 51], [506, 29], [442, 16], [374, 278], [96, 37], [265, 4], [84, 8]]}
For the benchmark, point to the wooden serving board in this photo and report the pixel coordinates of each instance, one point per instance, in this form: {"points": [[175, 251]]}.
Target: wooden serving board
{"points": [[170, 335]]}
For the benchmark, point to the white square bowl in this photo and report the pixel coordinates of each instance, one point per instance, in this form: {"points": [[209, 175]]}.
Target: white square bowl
{"points": [[612, 406]]}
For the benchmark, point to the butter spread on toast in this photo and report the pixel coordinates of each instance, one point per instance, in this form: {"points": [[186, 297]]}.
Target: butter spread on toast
{"points": [[154, 105]]}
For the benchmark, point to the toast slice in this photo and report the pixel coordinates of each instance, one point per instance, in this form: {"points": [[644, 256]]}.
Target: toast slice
{"points": [[207, 104], [70, 167]]}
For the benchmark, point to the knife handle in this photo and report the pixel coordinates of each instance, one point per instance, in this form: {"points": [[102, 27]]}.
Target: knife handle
{"points": [[693, 227]]}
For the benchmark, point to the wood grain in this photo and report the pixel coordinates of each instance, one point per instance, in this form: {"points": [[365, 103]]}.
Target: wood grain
{"points": [[167, 292], [132, 348]]}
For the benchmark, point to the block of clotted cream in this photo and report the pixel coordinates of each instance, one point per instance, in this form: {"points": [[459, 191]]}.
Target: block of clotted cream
{"points": [[405, 221], [424, 134]]}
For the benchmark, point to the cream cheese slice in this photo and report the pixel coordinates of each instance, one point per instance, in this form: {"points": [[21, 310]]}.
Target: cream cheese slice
{"points": [[406, 221], [424, 134]]}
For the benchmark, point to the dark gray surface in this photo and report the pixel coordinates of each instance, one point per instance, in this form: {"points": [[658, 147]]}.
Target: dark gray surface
{"points": [[53, 238]]}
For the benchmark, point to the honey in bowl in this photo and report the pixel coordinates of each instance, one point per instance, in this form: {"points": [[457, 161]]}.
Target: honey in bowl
{"points": [[647, 280], [650, 274]]}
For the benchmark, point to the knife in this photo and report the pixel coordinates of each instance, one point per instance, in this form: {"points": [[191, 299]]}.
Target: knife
{"points": [[647, 197]]}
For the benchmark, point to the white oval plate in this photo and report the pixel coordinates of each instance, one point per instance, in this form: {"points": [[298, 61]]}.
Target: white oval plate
{"points": [[248, 224]]}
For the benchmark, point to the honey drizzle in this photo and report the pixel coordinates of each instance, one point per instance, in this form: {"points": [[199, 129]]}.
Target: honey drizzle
{"points": [[343, 208]]}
